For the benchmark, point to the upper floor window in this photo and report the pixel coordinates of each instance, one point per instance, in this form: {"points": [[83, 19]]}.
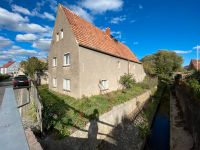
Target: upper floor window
{"points": [[66, 85], [57, 37], [61, 34], [66, 59], [54, 62], [54, 82]]}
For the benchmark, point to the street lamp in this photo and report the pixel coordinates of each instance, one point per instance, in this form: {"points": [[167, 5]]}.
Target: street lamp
{"points": [[197, 57]]}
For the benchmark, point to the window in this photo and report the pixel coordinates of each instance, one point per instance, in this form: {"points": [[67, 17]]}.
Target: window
{"points": [[57, 37], [54, 82], [61, 34], [67, 59], [66, 84], [54, 62], [118, 64], [104, 84]]}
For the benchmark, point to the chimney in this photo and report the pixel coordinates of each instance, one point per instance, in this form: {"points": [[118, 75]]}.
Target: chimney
{"points": [[108, 31]]}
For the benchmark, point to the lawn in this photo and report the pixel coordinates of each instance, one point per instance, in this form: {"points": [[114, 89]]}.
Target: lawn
{"points": [[66, 114]]}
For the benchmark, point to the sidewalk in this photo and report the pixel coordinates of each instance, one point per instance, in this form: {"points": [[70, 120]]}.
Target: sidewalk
{"points": [[180, 138]]}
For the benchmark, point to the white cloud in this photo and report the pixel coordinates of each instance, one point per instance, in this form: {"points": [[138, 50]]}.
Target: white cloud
{"points": [[140, 6], [135, 43], [42, 44], [182, 52], [81, 12], [4, 42], [20, 9], [15, 22], [116, 34], [197, 47], [119, 19], [100, 6], [49, 16], [26, 37]]}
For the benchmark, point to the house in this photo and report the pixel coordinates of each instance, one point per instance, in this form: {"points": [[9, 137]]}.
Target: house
{"points": [[84, 60], [193, 64], [10, 67]]}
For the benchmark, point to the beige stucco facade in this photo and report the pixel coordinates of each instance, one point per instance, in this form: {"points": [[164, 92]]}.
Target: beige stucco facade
{"points": [[87, 67]]}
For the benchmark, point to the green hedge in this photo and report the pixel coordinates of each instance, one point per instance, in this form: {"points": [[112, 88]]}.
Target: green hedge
{"points": [[4, 77]]}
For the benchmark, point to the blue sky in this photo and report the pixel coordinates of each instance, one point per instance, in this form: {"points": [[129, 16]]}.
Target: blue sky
{"points": [[144, 25]]}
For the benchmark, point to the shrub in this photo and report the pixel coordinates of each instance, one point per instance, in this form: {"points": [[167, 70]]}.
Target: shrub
{"points": [[127, 81], [4, 77]]}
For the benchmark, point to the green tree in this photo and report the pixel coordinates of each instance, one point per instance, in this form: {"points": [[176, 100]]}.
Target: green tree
{"points": [[32, 66], [162, 63]]}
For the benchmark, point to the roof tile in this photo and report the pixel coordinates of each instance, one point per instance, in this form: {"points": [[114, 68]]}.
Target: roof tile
{"points": [[90, 36]]}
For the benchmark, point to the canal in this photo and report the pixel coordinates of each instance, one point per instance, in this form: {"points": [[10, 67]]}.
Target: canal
{"points": [[160, 130]]}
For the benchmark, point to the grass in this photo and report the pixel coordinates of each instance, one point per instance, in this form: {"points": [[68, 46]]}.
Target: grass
{"points": [[65, 114]]}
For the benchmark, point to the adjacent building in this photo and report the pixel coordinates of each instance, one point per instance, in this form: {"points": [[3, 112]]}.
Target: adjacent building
{"points": [[10, 68], [84, 60], [194, 64]]}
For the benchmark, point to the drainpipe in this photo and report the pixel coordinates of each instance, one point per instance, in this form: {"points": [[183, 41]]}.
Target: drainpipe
{"points": [[128, 67]]}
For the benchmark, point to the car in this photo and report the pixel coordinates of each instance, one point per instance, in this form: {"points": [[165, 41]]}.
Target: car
{"points": [[21, 81]]}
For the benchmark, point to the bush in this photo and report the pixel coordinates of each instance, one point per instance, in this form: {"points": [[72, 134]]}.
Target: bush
{"points": [[127, 81], [4, 77], [195, 87]]}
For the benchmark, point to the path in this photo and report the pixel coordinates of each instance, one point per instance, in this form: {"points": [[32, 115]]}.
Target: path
{"points": [[181, 139]]}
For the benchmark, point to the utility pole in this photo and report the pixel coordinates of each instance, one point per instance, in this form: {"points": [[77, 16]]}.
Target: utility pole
{"points": [[197, 57]]}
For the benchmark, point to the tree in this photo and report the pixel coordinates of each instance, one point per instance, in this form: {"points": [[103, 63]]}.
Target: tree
{"points": [[162, 63], [32, 66]]}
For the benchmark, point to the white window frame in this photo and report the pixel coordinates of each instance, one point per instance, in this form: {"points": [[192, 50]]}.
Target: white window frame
{"points": [[104, 84], [66, 84], [54, 82], [54, 62], [66, 59], [57, 37], [61, 34]]}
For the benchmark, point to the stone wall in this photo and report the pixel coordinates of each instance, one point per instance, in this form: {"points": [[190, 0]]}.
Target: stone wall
{"points": [[190, 109], [108, 121]]}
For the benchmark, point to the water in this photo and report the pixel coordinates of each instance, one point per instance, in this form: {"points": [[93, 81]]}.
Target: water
{"points": [[160, 132]]}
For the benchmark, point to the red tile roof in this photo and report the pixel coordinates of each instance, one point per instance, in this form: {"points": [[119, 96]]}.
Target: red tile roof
{"points": [[193, 64], [8, 64], [92, 37]]}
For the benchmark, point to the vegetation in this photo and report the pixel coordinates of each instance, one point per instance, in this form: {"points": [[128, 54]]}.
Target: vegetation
{"points": [[162, 64], [127, 81], [65, 114], [149, 111], [4, 77], [193, 81], [32, 66]]}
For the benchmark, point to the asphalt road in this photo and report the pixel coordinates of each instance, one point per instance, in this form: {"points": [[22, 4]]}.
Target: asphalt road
{"points": [[3, 86]]}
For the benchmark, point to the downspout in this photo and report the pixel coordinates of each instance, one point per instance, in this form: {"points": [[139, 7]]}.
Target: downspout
{"points": [[128, 67]]}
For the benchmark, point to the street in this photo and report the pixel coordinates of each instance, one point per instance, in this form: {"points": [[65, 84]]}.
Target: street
{"points": [[3, 85]]}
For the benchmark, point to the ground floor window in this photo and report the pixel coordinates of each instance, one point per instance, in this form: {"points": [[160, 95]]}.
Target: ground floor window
{"points": [[66, 85], [104, 84], [54, 82]]}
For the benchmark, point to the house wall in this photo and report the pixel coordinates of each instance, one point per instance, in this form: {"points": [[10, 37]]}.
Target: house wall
{"points": [[58, 49], [95, 66], [13, 68]]}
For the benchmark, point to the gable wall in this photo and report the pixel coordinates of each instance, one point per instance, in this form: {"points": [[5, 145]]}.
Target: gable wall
{"points": [[58, 49]]}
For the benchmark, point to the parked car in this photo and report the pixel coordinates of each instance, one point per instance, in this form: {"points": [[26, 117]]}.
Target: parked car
{"points": [[21, 81]]}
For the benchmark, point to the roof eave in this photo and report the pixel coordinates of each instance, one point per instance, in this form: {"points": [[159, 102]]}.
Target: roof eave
{"points": [[100, 51]]}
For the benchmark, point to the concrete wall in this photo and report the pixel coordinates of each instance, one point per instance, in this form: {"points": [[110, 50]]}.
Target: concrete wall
{"points": [[95, 66], [58, 49], [108, 121]]}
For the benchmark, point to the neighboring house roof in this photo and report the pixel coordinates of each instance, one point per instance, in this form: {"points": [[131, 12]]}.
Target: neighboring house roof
{"points": [[89, 36], [193, 64], [8, 64]]}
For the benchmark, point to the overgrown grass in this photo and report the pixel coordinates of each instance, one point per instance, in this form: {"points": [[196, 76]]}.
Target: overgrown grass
{"points": [[65, 114]]}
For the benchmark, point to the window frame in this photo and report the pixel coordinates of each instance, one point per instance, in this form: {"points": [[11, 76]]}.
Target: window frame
{"points": [[61, 34], [67, 85], [54, 82], [65, 59], [57, 36], [105, 84], [54, 63]]}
